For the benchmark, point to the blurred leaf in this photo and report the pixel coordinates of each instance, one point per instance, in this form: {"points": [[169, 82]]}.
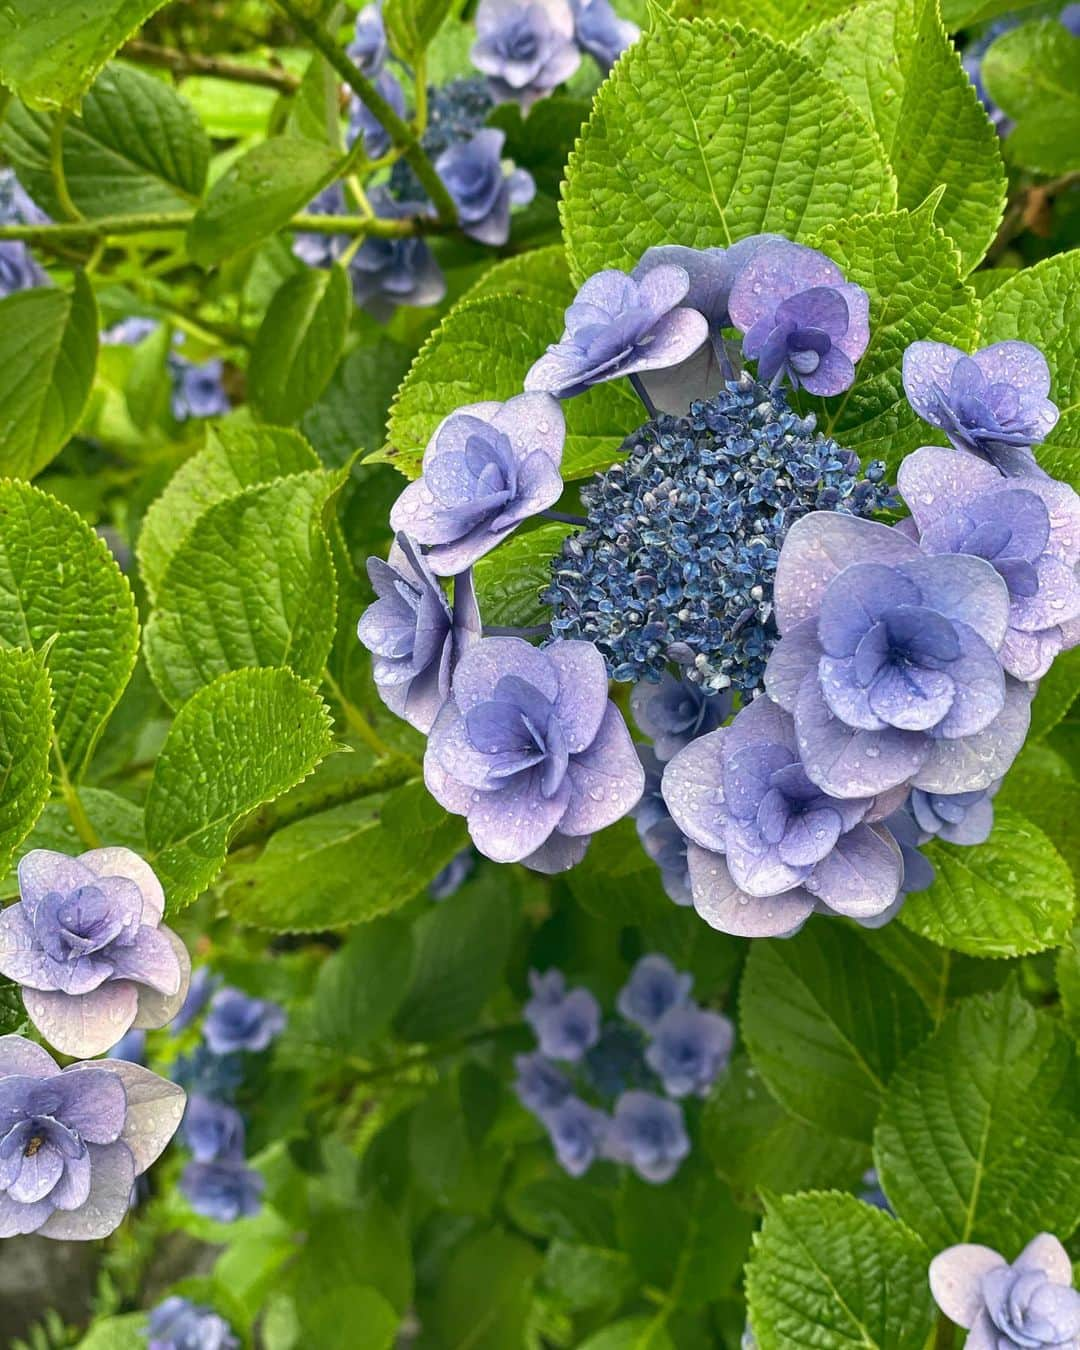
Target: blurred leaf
{"points": [[239, 742], [1032, 74], [299, 343], [412, 24], [345, 1246], [361, 986], [484, 1294], [113, 817], [333, 1320], [632, 1333], [351, 412], [510, 578], [1058, 691], [1068, 978]]}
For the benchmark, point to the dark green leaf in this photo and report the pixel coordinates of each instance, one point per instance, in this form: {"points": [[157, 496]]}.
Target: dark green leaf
{"points": [[299, 343]]}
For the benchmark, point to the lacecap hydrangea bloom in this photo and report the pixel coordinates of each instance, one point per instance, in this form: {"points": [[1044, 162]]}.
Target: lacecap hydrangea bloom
{"points": [[225, 1190], [649, 1134], [566, 1022], [994, 403], [524, 47], [86, 943], [1028, 1305], [654, 988], [73, 1141], [236, 1021], [530, 750], [674, 712], [178, 1324], [600, 32], [482, 190], [388, 273]]}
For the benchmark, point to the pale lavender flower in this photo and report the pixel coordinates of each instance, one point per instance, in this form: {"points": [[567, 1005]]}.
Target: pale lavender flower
{"points": [[1027, 1305], [801, 320], [363, 122], [387, 273], [568, 1028], [674, 711], [957, 817], [197, 389], [660, 837], [599, 31], [529, 747], [73, 1141], [525, 48], [487, 468], [540, 1085], [178, 1324], [483, 193], [578, 1132], [1028, 529], [648, 1133], [87, 945], [237, 1022], [888, 660], [994, 403], [414, 636], [689, 1048], [768, 845], [225, 1191], [368, 49], [213, 1131], [653, 989], [619, 326], [548, 988]]}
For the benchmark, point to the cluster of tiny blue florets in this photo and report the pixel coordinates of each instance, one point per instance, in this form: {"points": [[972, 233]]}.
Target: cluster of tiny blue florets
{"points": [[677, 561], [456, 112]]}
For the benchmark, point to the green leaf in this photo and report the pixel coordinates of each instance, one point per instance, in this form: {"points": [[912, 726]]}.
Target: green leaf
{"points": [[704, 134], [113, 817], [48, 351], [1058, 691], [258, 195], [1049, 801], [315, 114], [775, 17], [1008, 897], [509, 579], [299, 344], [360, 988], [412, 24], [1068, 978], [25, 746], [616, 881], [935, 973], [826, 1023], [963, 13], [830, 1272], [235, 457], [252, 584], [541, 274], [483, 1297], [919, 99], [977, 1140], [461, 949], [332, 1318], [542, 141], [757, 1146], [1032, 73], [583, 1277], [51, 50], [482, 351], [351, 413], [137, 146], [62, 592], [632, 1333], [344, 1243], [117, 1333], [241, 741], [911, 271], [346, 865], [1039, 305]]}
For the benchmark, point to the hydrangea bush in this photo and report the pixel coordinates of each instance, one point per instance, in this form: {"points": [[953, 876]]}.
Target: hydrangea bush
{"points": [[539, 675]]}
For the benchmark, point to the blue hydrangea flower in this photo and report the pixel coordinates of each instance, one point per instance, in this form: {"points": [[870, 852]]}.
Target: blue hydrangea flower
{"points": [[599, 31], [660, 837], [690, 1046], [1070, 18], [178, 1324], [540, 1085], [531, 751], [678, 558], [456, 112], [87, 945], [364, 123], [974, 51], [487, 468], [322, 250], [237, 1022], [888, 661], [648, 1133], [414, 636], [994, 403], [203, 983], [1027, 1305], [369, 48], [618, 326], [525, 48], [483, 194], [654, 988], [18, 269], [675, 711], [568, 1027], [197, 390], [578, 1132], [72, 1141], [225, 1191], [548, 988], [1027, 529], [801, 320], [768, 845], [453, 876], [213, 1131], [388, 273], [958, 817], [919, 871]]}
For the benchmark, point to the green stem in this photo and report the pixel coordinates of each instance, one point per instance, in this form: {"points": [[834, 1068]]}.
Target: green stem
{"points": [[357, 723], [56, 166], [73, 802], [420, 93], [400, 131]]}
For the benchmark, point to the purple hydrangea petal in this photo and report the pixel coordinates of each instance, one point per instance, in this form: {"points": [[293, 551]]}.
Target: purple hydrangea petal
{"points": [[965, 589], [1028, 656], [776, 271], [558, 853], [1046, 1253], [934, 481], [484, 665], [693, 790], [158, 1009], [84, 1025], [726, 908], [155, 1107], [845, 762], [606, 779], [151, 960], [42, 872], [955, 1279], [123, 862], [93, 1101], [510, 825], [23, 1057], [17, 1219], [969, 763], [861, 876], [111, 1179]]}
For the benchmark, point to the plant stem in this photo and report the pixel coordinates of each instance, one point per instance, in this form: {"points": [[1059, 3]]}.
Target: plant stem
{"points": [[357, 723], [190, 63], [639, 389], [420, 93], [73, 802], [56, 166], [563, 517], [400, 131]]}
